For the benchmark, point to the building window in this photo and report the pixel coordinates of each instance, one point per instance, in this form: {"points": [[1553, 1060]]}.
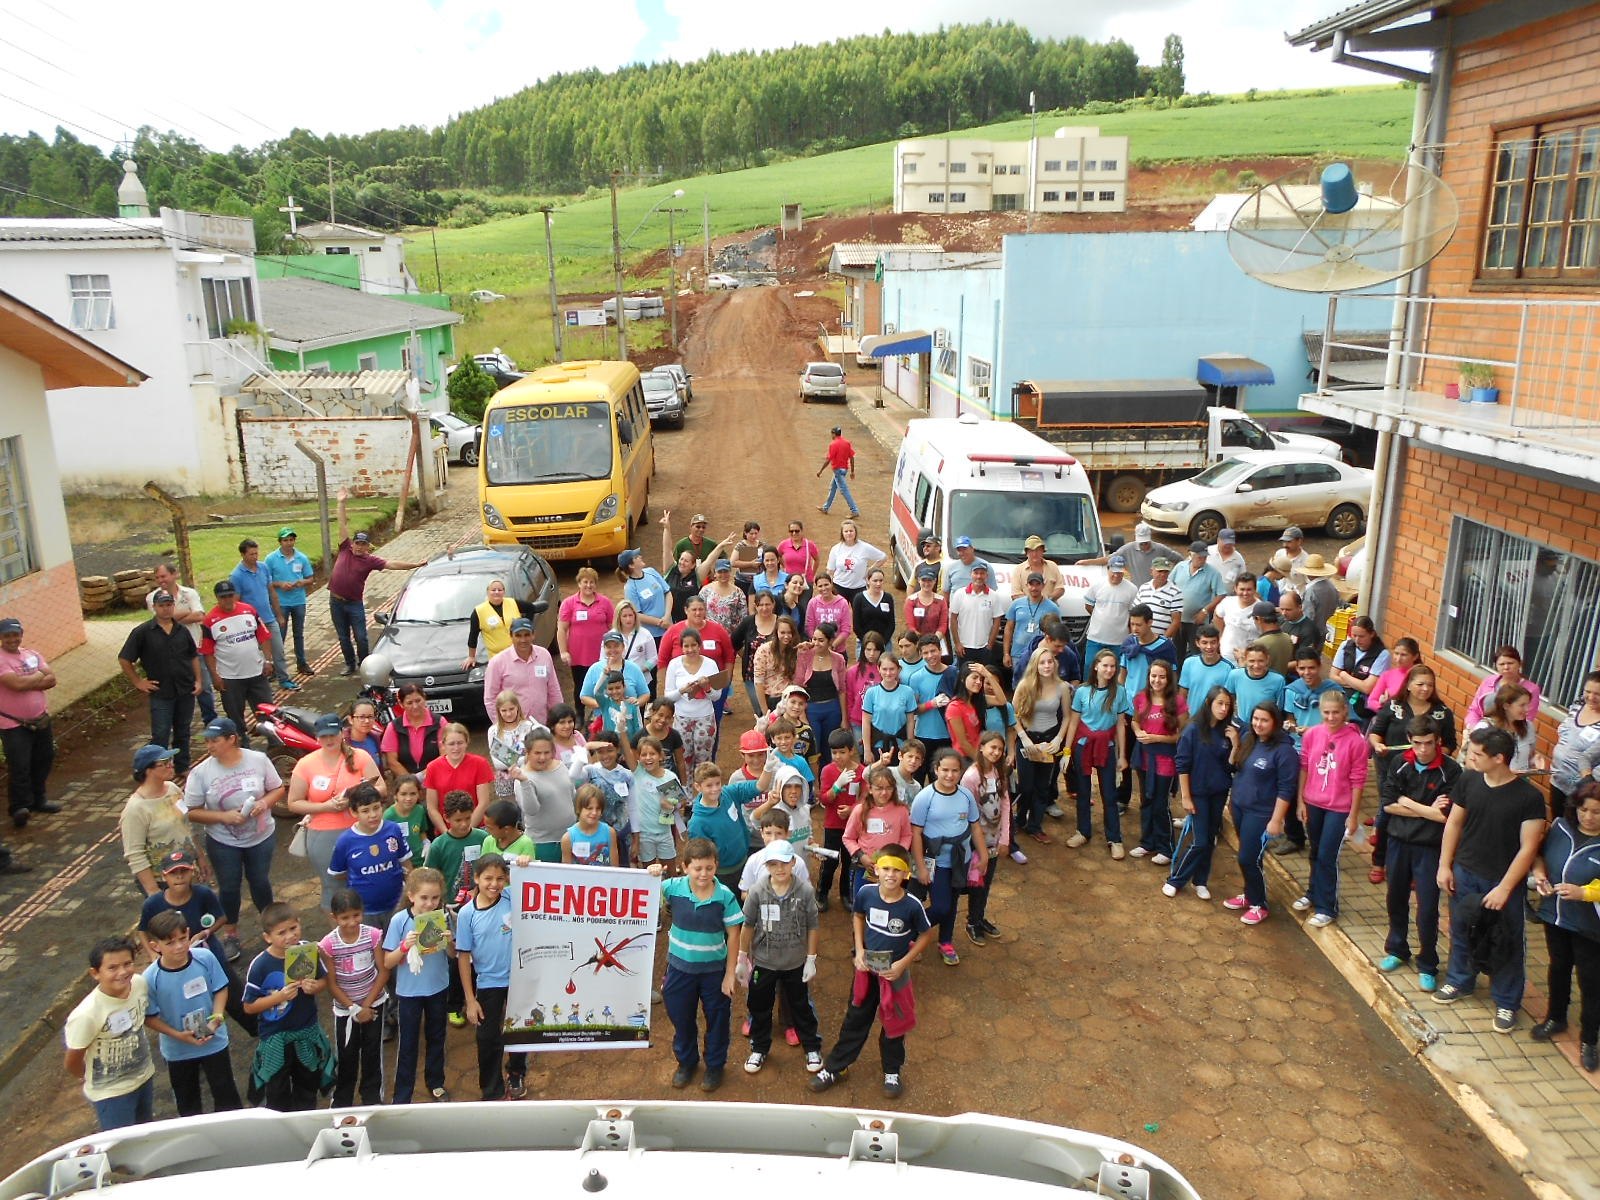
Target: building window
{"points": [[1544, 204], [947, 363], [1072, 197], [374, 249], [1052, 164], [16, 525], [1052, 197], [935, 197], [978, 373], [1505, 590], [1072, 164], [367, 362], [1108, 164], [91, 301], [958, 168], [336, 250], [983, 168], [1091, 165], [958, 197], [910, 168], [227, 300], [1014, 169], [1108, 196], [1007, 202]]}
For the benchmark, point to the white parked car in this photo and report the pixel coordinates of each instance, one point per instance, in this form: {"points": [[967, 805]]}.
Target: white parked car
{"points": [[485, 296], [719, 281], [1262, 490], [460, 437], [821, 381]]}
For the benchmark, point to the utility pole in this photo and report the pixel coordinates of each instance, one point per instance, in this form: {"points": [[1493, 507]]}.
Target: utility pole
{"points": [[438, 275], [672, 264], [550, 260], [706, 219], [331, 217], [616, 269], [1033, 162]]}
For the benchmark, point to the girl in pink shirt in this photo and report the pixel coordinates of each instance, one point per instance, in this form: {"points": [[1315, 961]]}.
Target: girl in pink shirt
{"points": [[859, 677], [1507, 669], [1333, 770], [828, 606], [799, 553], [879, 820], [1403, 655]]}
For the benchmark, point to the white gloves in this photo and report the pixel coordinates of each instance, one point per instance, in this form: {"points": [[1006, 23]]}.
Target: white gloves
{"points": [[742, 971], [809, 971]]}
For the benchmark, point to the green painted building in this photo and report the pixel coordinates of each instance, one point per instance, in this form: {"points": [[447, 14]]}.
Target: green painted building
{"points": [[313, 324]]}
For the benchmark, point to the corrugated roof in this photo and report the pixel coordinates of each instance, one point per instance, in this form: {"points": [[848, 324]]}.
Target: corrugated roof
{"points": [[373, 383], [865, 254], [335, 230], [1358, 18], [898, 259], [304, 314], [137, 231]]}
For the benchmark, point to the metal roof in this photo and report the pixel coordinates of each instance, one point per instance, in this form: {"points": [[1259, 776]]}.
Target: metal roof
{"points": [[136, 231], [337, 231], [304, 314], [372, 383], [865, 254], [1358, 18]]}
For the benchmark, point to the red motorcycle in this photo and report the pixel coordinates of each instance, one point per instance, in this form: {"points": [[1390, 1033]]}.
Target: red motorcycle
{"points": [[287, 731]]}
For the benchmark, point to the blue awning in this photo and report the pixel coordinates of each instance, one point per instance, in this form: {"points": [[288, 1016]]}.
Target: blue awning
{"points": [[887, 345], [1233, 370]]}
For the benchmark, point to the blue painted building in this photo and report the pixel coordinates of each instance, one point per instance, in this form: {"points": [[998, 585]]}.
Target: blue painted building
{"points": [[1089, 306]]}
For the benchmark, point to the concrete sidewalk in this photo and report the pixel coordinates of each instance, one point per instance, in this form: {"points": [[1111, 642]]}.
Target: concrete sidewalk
{"points": [[81, 889]]}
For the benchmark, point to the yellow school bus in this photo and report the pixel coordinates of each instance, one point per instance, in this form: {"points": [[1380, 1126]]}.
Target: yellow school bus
{"points": [[566, 459]]}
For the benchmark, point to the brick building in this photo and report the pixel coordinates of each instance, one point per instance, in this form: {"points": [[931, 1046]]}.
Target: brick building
{"points": [[1488, 530]]}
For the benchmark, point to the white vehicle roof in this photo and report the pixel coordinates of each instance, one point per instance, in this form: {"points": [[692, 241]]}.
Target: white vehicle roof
{"points": [[1269, 457], [632, 1151], [955, 440]]}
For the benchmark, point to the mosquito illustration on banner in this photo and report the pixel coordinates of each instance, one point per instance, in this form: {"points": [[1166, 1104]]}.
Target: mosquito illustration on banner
{"points": [[606, 955]]}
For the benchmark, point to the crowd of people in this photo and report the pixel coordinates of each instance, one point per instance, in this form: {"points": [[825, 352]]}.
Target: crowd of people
{"points": [[900, 751]]}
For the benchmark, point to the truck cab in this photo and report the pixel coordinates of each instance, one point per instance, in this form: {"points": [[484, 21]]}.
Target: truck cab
{"points": [[997, 484]]}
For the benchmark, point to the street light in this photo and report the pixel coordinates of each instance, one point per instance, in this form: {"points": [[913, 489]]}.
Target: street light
{"points": [[616, 259]]}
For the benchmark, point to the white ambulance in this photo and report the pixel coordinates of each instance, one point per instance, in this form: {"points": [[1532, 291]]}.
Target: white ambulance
{"points": [[998, 484]]}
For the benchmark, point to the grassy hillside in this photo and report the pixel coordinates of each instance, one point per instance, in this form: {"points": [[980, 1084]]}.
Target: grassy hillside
{"points": [[508, 255]]}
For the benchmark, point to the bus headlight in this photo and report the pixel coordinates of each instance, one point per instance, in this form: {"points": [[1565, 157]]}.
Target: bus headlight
{"points": [[608, 508], [492, 517]]}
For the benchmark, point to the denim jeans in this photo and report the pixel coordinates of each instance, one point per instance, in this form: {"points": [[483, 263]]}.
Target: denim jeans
{"points": [[1155, 812], [350, 623], [206, 699], [1506, 985], [824, 717], [1325, 838], [294, 616], [130, 1108], [172, 723], [684, 994], [1197, 841], [234, 865], [1108, 800], [841, 487], [280, 667]]}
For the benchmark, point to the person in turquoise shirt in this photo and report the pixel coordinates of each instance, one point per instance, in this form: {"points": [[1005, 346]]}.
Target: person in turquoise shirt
{"points": [[288, 572], [934, 685], [718, 815], [1204, 668], [1098, 733], [1255, 683]]}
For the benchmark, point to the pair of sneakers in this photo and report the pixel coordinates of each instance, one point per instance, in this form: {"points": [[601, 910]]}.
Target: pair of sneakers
{"points": [[1250, 914], [1505, 1019], [1317, 920], [757, 1060], [893, 1083]]}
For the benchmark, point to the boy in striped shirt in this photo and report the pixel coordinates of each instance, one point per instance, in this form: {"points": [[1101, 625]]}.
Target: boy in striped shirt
{"points": [[700, 970]]}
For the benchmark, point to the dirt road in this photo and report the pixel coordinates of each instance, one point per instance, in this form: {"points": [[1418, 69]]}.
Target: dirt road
{"points": [[1238, 1054]]}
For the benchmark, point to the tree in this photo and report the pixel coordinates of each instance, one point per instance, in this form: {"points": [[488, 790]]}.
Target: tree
{"points": [[469, 389], [1169, 75]]}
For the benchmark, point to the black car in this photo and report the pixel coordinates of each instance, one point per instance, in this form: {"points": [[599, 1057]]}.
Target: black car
{"points": [[424, 640]]}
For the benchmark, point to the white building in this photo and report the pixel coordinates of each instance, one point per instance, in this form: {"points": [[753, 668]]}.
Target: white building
{"points": [[158, 291], [1076, 170], [383, 269]]}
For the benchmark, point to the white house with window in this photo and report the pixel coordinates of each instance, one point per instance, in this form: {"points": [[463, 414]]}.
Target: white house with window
{"points": [[1075, 170], [160, 291], [382, 256], [38, 581]]}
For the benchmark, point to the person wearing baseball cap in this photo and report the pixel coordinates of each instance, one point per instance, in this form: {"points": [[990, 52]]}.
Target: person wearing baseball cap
{"points": [[1225, 557], [152, 820], [695, 541], [1279, 645], [526, 669], [926, 611], [1108, 603], [841, 459], [347, 587], [234, 642], [1164, 599], [1034, 560], [1136, 555], [1202, 587], [1293, 542], [171, 678], [959, 574], [288, 572]]}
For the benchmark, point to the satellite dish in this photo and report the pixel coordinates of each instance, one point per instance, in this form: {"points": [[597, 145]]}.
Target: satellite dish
{"points": [[1327, 231]]}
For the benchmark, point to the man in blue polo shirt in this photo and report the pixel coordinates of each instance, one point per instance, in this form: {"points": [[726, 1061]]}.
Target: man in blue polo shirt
{"points": [[1202, 588], [254, 586], [288, 571]]}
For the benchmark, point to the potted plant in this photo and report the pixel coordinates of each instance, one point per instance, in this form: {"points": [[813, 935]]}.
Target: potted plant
{"points": [[1478, 379]]}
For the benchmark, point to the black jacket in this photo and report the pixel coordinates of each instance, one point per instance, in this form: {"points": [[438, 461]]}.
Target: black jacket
{"points": [[1490, 938], [1405, 778]]}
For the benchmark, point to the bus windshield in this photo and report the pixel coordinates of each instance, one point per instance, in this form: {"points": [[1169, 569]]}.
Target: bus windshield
{"points": [[547, 443], [999, 522]]}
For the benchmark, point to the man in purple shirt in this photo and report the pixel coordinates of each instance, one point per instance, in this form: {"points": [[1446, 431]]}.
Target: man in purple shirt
{"points": [[347, 588]]}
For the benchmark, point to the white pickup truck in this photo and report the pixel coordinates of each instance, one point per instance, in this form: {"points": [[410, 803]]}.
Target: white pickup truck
{"points": [[1133, 435]]}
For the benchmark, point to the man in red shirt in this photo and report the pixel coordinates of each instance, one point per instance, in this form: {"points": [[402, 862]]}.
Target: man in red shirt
{"points": [[841, 457], [347, 588]]}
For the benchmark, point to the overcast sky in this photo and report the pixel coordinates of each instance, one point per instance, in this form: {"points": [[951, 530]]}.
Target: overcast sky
{"points": [[228, 73]]}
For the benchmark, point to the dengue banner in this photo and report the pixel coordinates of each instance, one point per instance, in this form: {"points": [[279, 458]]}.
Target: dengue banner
{"points": [[583, 950]]}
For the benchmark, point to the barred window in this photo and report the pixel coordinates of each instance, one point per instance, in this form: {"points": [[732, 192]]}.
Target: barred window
{"points": [[1506, 590]]}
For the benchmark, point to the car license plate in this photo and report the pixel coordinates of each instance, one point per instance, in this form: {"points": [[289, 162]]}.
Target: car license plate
{"points": [[440, 706]]}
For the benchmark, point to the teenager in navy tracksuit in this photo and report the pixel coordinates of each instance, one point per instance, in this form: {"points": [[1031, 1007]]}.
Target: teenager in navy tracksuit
{"points": [[1565, 878], [1206, 750], [1264, 790]]}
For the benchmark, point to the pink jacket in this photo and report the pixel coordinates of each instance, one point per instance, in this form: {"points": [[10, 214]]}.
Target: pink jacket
{"points": [[857, 680], [805, 665], [1335, 763]]}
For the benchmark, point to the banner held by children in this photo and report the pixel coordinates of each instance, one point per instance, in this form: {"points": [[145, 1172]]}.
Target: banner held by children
{"points": [[583, 953]]}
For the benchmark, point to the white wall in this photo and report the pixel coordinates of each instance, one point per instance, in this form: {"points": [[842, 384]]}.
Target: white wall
{"points": [[24, 414], [365, 454]]}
